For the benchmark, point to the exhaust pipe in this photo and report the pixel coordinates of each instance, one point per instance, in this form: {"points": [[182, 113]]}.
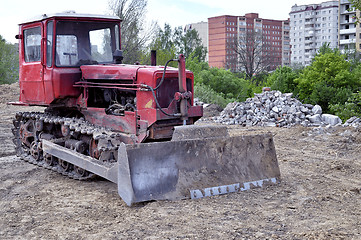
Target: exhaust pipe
{"points": [[153, 57]]}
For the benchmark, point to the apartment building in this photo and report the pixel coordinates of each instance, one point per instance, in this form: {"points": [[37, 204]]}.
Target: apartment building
{"points": [[313, 25], [350, 33], [202, 29], [222, 30]]}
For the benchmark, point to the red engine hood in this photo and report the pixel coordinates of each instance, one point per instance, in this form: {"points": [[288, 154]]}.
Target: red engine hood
{"points": [[117, 71]]}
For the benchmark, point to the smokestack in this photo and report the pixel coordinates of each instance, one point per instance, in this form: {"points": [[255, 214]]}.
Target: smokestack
{"points": [[153, 58]]}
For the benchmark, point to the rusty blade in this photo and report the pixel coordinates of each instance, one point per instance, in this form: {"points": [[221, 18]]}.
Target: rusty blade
{"points": [[195, 168]]}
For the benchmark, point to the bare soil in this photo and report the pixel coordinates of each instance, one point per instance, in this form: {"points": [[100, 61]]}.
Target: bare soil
{"points": [[319, 196]]}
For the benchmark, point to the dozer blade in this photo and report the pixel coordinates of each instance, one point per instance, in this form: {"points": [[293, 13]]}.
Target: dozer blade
{"points": [[195, 168], [194, 164]]}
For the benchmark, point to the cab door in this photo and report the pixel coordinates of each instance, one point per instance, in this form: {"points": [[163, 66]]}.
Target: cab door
{"points": [[31, 70]]}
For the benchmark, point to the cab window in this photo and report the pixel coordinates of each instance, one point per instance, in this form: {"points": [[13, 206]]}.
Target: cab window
{"points": [[49, 44], [32, 42], [79, 43], [66, 50]]}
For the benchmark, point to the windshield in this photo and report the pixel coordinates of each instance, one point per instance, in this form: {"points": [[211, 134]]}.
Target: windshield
{"points": [[79, 43]]}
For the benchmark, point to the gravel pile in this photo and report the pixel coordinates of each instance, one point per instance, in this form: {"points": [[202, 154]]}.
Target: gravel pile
{"points": [[275, 109]]}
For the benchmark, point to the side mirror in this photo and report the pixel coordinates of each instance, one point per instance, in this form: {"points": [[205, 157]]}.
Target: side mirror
{"points": [[118, 56]]}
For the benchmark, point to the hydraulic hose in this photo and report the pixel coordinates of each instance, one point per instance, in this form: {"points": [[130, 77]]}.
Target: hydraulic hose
{"points": [[157, 103], [165, 68]]}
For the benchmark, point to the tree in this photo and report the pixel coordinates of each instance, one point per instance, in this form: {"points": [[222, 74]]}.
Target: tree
{"points": [[224, 81], [283, 79], [189, 43], [168, 43], [325, 48], [9, 62], [163, 44], [328, 80], [356, 4], [133, 33], [253, 55]]}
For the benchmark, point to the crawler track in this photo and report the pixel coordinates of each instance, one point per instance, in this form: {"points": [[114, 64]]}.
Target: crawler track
{"points": [[74, 133]]}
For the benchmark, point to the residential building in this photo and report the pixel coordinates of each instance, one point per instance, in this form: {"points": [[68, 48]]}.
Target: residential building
{"points": [[202, 29], [224, 30], [350, 32], [312, 26]]}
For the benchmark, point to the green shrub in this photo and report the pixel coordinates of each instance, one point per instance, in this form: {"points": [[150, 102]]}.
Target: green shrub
{"points": [[9, 62], [224, 81], [351, 108], [283, 79], [206, 94], [328, 80]]}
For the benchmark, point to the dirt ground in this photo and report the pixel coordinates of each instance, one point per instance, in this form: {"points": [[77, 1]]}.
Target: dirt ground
{"points": [[319, 196]]}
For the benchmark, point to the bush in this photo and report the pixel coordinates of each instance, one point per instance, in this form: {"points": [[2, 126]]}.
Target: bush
{"points": [[328, 80], [224, 81], [351, 108], [208, 95], [222, 84], [9, 62], [283, 79]]}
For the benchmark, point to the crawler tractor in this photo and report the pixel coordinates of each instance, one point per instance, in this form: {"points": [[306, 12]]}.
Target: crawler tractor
{"points": [[130, 124]]}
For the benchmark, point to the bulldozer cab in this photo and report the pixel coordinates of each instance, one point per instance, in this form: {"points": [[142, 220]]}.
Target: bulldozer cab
{"points": [[53, 47]]}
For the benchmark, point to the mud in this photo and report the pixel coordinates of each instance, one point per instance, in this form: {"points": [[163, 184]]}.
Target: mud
{"points": [[319, 196]]}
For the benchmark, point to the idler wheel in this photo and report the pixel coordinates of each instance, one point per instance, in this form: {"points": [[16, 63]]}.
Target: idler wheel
{"points": [[35, 151], [50, 160], [64, 165], [81, 172]]}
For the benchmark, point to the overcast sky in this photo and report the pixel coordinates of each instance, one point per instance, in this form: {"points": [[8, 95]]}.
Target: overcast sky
{"points": [[174, 12]]}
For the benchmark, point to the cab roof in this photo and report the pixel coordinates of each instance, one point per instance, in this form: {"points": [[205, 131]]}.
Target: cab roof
{"points": [[70, 14]]}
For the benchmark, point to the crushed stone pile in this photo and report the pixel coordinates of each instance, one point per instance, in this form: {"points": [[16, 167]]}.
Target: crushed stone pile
{"points": [[353, 122], [275, 109]]}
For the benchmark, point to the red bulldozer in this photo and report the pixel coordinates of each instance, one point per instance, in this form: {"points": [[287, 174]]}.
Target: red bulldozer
{"points": [[130, 124]]}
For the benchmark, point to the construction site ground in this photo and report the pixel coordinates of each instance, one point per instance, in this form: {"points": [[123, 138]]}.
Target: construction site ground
{"points": [[319, 196]]}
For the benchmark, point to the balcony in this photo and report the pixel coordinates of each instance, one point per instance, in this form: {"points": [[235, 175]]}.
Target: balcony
{"points": [[344, 2], [347, 31], [310, 52], [309, 19], [309, 41], [346, 12], [309, 26], [309, 33], [347, 41], [350, 21], [308, 46]]}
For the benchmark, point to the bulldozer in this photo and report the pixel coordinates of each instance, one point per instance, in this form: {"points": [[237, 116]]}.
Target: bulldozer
{"points": [[131, 124]]}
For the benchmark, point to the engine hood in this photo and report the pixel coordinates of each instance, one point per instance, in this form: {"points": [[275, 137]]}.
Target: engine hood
{"points": [[118, 71]]}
